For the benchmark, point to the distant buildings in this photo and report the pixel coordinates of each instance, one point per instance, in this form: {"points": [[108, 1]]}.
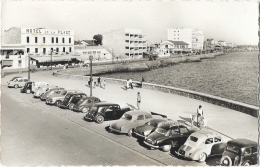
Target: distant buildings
{"points": [[212, 45], [193, 37], [98, 52], [129, 43], [170, 48]]}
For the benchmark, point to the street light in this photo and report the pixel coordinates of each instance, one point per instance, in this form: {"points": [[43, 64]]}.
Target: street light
{"points": [[29, 68], [51, 57], [90, 59]]}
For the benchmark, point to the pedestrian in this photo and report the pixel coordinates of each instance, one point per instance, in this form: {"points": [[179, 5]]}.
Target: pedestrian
{"points": [[138, 100], [200, 116], [142, 80], [131, 83], [104, 83], [99, 82], [127, 84]]}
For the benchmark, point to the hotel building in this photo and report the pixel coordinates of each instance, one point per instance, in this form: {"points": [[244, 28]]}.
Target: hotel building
{"points": [[126, 42], [193, 37]]}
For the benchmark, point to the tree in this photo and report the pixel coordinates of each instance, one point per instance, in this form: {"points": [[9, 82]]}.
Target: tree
{"points": [[98, 39]]}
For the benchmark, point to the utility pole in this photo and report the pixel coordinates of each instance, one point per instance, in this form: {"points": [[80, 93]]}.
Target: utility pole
{"points": [[29, 68]]}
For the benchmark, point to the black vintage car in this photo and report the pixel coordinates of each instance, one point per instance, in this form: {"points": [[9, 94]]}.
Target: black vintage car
{"points": [[71, 99], [27, 88], [105, 111], [240, 152], [50, 92], [167, 135], [85, 104]]}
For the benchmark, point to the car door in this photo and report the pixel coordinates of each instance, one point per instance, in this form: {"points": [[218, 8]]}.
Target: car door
{"points": [[182, 137], [208, 145], [140, 120], [20, 82], [218, 146]]}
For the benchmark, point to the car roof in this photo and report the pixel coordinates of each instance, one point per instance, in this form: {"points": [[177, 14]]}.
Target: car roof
{"points": [[57, 89], [106, 104], [203, 133], [89, 97], [72, 93], [137, 112], [242, 143]]}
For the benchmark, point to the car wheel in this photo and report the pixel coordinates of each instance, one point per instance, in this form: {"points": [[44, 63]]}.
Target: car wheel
{"points": [[202, 157], [99, 119], [166, 148], [130, 132], [226, 161], [28, 91], [71, 106], [246, 164], [16, 86], [58, 103], [85, 109]]}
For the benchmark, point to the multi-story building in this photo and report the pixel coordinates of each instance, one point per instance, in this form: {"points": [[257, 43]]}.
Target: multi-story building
{"points": [[222, 43], [130, 43], [40, 41], [171, 48], [193, 37], [210, 44], [98, 52]]}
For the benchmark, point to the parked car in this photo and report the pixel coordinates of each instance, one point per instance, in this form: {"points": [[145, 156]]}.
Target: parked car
{"points": [[85, 104], [14, 78], [202, 144], [168, 134], [42, 90], [147, 128], [27, 88], [131, 120], [71, 99], [58, 98], [37, 85], [105, 111], [51, 92], [17, 82], [240, 152]]}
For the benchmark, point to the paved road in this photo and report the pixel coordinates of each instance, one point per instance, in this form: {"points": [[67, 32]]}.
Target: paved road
{"points": [[37, 134]]}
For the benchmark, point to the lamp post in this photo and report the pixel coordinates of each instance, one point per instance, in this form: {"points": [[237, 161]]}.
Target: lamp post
{"points": [[90, 59], [51, 58], [29, 68]]}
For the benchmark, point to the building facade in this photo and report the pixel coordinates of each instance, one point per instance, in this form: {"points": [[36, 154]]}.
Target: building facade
{"points": [[210, 44], [98, 52], [172, 48], [193, 37], [40, 41], [128, 43]]}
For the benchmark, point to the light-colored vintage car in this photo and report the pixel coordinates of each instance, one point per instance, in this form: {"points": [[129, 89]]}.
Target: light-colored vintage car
{"points": [[17, 82], [41, 90], [202, 144], [131, 120]]}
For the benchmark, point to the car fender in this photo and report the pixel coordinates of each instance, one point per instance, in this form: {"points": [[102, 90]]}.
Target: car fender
{"points": [[195, 155], [127, 127]]}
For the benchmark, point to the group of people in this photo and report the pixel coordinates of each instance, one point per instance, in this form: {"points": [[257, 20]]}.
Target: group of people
{"points": [[97, 83], [130, 84]]}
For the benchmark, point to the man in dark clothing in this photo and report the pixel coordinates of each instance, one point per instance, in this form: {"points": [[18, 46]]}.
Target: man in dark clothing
{"points": [[142, 80], [99, 82]]}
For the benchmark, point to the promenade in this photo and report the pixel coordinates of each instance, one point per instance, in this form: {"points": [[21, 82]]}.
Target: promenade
{"points": [[230, 123]]}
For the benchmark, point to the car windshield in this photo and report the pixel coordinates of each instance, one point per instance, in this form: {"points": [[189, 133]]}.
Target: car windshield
{"points": [[233, 149], [161, 131], [63, 92], [127, 117], [152, 123]]}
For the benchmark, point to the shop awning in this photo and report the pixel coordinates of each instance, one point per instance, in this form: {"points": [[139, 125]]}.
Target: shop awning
{"points": [[55, 59]]}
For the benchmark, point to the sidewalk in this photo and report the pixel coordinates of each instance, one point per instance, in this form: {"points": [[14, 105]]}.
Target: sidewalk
{"points": [[229, 122]]}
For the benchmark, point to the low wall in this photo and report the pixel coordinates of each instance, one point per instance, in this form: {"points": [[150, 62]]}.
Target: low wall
{"points": [[242, 107]]}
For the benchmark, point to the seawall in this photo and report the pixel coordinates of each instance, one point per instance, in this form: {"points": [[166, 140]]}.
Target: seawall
{"points": [[238, 106]]}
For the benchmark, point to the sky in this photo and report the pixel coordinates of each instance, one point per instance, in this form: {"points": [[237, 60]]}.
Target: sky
{"points": [[231, 21]]}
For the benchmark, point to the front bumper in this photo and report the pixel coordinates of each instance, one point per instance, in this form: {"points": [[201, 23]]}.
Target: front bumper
{"points": [[151, 145], [49, 101], [139, 135]]}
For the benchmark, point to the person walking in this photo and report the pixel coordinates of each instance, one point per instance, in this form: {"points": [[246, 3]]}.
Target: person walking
{"points": [[104, 83], [142, 80], [138, 100], [127, 84], [131, 83], [200, 116], [99, 82]]}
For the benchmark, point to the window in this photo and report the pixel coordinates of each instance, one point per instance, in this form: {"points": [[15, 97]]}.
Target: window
{"points": [[184, 130], [57, 49], [43, 39], [19, 63], [69, 40], [209, 141], [28, 40], [63, 40], [70, 49], [254, 150], [248, 151], [44, 50], [57, 40], [36, 40], [52, 39], [217, 139], [36, 50], [28, 50], [140, 117], [63, 48], [148, 116]]}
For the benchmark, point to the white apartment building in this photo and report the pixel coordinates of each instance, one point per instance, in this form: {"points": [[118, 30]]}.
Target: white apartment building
{"points": [[193, 37], [40, 41], [98, 52], [126, 42]]}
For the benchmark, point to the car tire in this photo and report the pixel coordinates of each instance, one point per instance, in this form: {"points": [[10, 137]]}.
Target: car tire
{"points": [[226, 161], [28, 91], [166, 148], [246, 164], [130, 133], [85, 109], [58, 103], [16, 86], [99, 119], [202, 157], [71, 106]]}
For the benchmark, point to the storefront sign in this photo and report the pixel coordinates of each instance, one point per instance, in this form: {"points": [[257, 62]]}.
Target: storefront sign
{"points": [[46, 31]]}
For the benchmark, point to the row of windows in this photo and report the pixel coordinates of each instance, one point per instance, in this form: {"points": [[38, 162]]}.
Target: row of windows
{"points": [[90, 52], [133, 54], [136, 47], [44, 40], [127, 41], [36, 50]]}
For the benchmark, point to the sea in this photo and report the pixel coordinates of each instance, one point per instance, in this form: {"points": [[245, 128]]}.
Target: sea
{"points": [[233, 76]]}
